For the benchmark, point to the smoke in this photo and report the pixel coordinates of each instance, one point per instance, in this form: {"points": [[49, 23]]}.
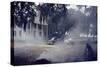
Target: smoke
{"points": [[64, 53], [81, 20]]}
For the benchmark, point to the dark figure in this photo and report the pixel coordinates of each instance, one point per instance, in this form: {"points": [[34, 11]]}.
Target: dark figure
{"points": [[90, 53]]}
